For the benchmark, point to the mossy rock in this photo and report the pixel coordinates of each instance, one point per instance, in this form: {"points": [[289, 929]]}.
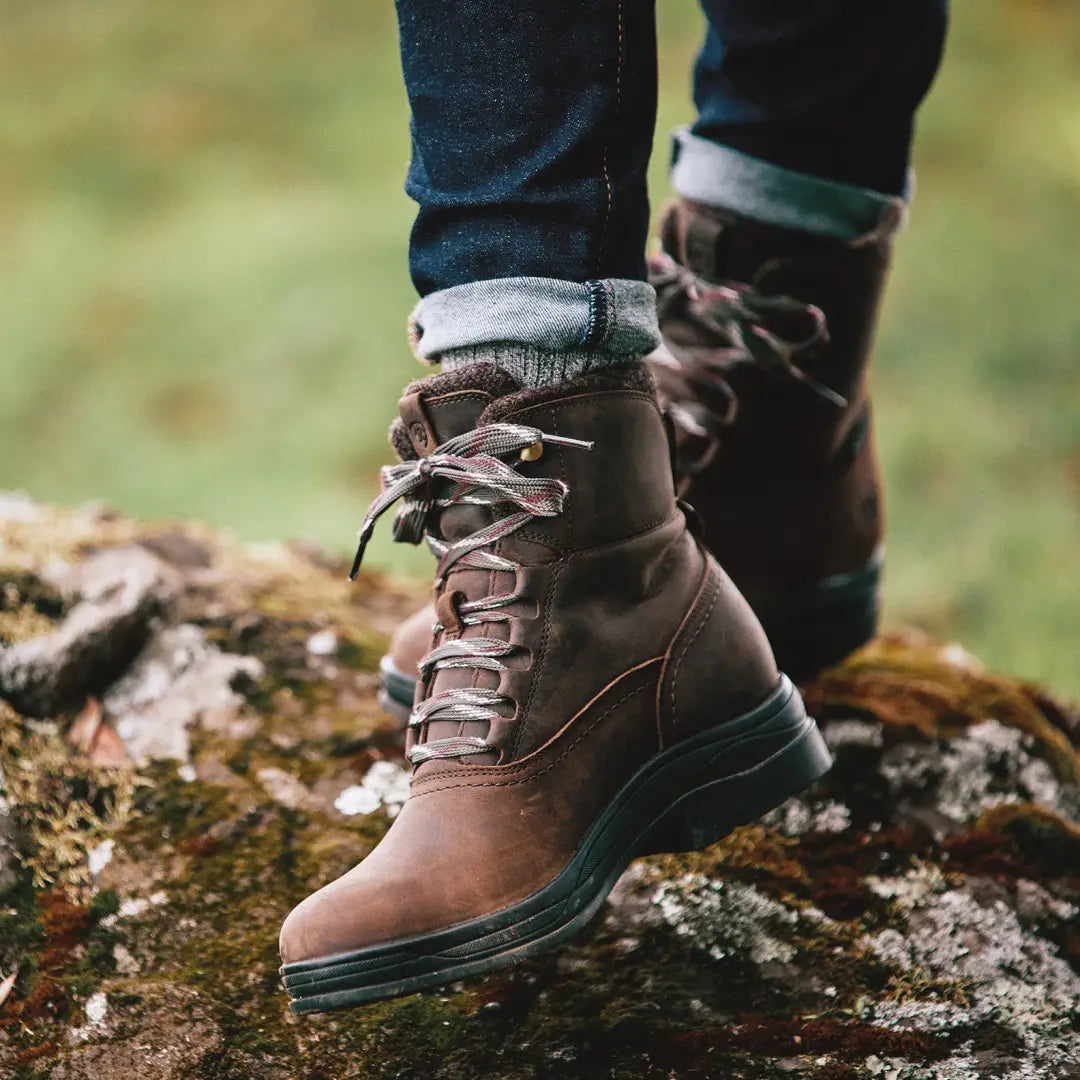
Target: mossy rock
{"points": [[917, 915]]}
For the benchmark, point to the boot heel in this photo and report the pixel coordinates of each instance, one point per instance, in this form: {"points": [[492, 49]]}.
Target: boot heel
{"points": [[712, 810], [818, 628], [711, 813]]}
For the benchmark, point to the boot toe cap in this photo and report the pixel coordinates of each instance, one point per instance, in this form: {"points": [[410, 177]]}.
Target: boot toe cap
{"points": [[359, 910], [316, 928]]}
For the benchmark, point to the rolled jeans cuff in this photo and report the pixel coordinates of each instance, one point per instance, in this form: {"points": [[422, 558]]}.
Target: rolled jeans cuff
{"points": [[614, 317], [706, 172]]}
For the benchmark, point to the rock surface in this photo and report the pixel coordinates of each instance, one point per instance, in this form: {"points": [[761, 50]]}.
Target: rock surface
{"points": [[189, 743]]}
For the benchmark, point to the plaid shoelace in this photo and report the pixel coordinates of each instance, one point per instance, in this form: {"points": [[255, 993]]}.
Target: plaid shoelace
{"points": [[467, 469], [742, 325]]}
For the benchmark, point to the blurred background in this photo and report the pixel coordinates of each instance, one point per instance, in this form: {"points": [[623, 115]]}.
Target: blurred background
{"points": [[203, 289]]}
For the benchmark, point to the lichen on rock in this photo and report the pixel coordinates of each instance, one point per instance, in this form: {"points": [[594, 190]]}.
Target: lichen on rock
{"points": [[916, 916]]}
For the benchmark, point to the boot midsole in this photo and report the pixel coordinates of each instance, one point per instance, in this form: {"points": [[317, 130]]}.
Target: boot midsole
{"points": [[701, 788]]}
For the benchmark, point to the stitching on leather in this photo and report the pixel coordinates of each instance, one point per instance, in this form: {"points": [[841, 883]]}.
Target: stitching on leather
{"points": [[518, 414], [547, 768], [538, 660], [530, 760], [707, 611], [465, 395], [677, 635]]}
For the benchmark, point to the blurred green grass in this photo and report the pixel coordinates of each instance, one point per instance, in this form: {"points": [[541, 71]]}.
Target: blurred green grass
{"points": [[203, 289]]}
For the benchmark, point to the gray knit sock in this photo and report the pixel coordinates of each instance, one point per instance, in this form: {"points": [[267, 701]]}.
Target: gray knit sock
{"points": [[542, 331], [533, 366]]}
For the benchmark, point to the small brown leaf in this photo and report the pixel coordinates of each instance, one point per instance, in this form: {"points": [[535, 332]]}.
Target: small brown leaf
{"points": [[108, 748], [84, 730], [91, 734]]}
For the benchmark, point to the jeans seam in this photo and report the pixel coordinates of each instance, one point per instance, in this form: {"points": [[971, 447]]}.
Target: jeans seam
{"points": [[607, 145], [600, 322]]}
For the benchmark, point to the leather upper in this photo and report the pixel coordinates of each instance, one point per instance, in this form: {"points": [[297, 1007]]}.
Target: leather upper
{"points": [[629, 637], [792, 494]]}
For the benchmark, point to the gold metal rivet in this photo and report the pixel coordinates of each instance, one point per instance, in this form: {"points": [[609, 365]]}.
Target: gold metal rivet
{"points": [[532, 453]]}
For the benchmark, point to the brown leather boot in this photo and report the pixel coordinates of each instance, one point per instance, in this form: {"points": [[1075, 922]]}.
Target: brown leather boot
{"points": [[765, 379], [598, 689], [767, 339]]}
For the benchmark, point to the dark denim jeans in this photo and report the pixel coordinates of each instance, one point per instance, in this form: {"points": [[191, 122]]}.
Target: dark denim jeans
{"points": [[825, 87], [532, 122]]}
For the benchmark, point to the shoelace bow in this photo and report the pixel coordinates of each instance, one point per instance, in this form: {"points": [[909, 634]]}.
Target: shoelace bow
{"points": [[466, 469], [738, 317]]}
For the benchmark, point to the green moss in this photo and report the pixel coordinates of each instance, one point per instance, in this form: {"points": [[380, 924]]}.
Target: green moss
{"points": [[917, 688], [624, 1000], [28, 606], [62, 803], [1017, 840]]}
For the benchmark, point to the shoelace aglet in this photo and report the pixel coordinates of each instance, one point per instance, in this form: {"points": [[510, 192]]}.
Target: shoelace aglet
{"points": [[826, 392], [838, 400], [562, 440], [363, 536], [686, 420]]}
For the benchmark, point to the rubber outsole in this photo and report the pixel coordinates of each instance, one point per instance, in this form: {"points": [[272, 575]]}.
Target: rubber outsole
{"points": [[683, 799]]}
